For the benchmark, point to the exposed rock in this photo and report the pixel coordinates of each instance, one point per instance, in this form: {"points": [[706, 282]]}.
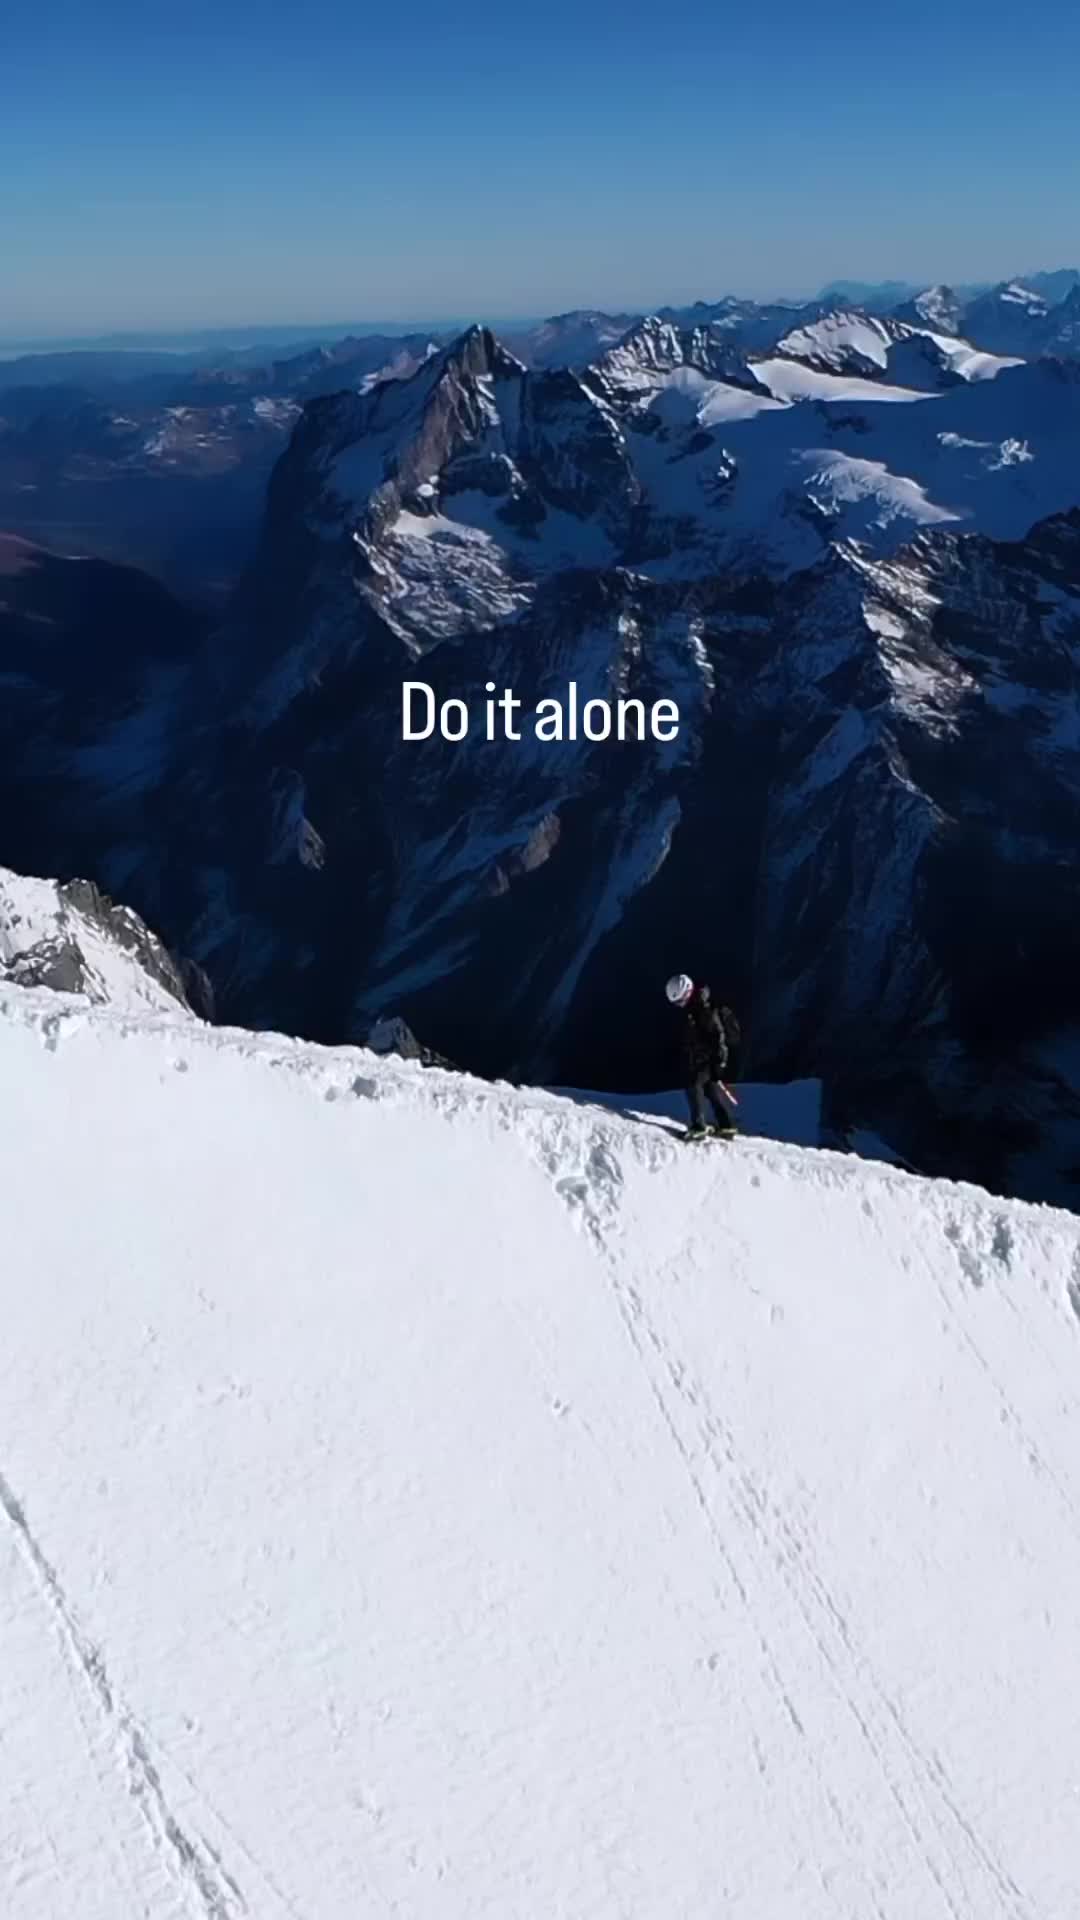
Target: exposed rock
{"points": [[69, 937], [391, 1034]]}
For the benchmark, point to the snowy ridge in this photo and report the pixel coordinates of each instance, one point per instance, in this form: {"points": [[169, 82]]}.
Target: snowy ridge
{"points": [[854, 343], [468, 487], [70, 937], [626, 1529]]}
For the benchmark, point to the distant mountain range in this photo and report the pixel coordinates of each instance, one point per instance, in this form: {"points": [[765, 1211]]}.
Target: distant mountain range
{"points": [[162, 460]]}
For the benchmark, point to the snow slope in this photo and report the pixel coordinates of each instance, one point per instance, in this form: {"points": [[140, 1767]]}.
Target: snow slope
{"points": [[429, 1498], [845, 343]]}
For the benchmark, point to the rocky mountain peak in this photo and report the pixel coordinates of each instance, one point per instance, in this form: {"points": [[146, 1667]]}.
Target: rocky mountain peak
{"points": [[938, 308], [69, 937]]}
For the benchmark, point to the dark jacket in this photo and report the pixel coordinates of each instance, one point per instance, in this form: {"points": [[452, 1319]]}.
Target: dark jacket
{"points": [[704, 1039]]}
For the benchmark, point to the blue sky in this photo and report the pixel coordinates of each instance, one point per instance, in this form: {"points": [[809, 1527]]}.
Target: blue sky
{"points": [[172, 166]]}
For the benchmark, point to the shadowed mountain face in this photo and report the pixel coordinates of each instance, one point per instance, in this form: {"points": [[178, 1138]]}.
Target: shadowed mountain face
{"points": [[87, 650], [145, 459], [864, 597]]}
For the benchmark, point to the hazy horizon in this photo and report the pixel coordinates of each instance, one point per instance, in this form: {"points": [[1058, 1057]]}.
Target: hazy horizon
{"points": [[215, 168], [236, 333]]}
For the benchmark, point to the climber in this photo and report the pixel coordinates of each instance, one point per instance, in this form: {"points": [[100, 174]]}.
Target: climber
{"points": [[709, 1036]]}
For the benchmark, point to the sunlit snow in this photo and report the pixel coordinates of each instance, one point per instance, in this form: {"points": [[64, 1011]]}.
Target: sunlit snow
{"points": [[429, 1497]]}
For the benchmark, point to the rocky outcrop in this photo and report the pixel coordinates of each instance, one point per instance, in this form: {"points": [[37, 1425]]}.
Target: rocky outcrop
{"points": [[391, 1034], [70, 937]]}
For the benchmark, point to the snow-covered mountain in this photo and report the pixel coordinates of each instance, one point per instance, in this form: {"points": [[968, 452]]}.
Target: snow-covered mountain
{"points": [[851, 560], [1010, 318], [937, 308], [161, 460], [883, 347], [70, 938], [1054, 285], [432, 1497], [475, 480], [1017, 317], [569, 339], [1063, 327], [753, 325]]}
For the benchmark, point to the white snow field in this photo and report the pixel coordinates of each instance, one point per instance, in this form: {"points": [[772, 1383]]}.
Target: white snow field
{"points": [[433, 1499]]}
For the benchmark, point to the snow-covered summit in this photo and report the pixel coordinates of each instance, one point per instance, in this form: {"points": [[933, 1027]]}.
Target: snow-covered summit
{"points": [[1015, 294], [938, 308], [69, 937], [840, 338], [463, 490], [429, 1497], [915, 354], [1010, 318], [656, 348]]}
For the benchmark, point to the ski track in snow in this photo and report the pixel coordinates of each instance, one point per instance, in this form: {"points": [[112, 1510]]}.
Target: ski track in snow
{"points": [[959, 1861], [748, 1531], [852, 1748], [114, 1737], [752, 1526], [212, 1893]]}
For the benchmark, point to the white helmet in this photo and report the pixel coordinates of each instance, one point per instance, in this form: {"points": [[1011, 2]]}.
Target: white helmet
{"points": [[679, 988]]}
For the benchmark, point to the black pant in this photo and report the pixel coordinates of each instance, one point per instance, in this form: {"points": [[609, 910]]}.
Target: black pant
{"points": [[706, 1086]]}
